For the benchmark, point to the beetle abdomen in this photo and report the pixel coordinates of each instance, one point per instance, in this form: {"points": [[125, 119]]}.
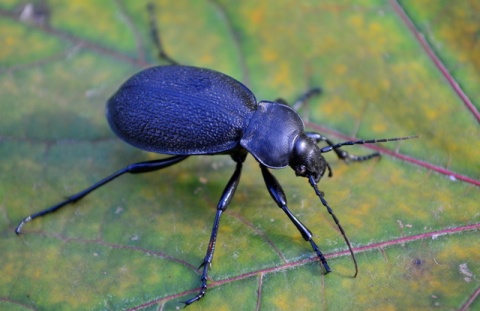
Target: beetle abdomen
{"points": [[181, 110]]}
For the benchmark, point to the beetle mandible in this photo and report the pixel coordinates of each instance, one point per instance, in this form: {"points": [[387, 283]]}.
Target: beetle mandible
{"points": [[183, 111]]}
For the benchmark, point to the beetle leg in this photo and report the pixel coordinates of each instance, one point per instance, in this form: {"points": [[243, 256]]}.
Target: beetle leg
{"points": [[278, 195], [341, 154], [225, 199], [136, 168], [281, 101], [302, 100], [155, 35]]}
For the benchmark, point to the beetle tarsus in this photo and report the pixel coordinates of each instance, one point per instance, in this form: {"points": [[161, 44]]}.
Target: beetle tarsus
{"points": [[18, 229], [321, 256], [203, 288]]}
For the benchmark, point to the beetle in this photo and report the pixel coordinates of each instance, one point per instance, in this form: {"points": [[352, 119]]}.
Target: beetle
{"points": [[186, 111]]}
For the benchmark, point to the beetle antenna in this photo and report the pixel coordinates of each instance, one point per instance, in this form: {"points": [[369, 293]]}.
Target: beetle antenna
{"points": [[361, 142], [330, 211]]}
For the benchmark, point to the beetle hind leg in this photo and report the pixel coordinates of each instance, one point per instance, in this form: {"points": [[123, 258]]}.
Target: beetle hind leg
{"points": [[136, 168], [155, 35]]}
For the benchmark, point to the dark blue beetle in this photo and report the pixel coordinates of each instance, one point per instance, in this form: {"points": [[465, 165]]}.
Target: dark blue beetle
{"points": [[184, 111]]}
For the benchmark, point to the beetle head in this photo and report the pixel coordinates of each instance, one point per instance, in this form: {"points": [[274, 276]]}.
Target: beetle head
{"points": [[307, 159]]}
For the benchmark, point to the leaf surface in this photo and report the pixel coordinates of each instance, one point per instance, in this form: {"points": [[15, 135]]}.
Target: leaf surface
{"points": [[386, 68]]}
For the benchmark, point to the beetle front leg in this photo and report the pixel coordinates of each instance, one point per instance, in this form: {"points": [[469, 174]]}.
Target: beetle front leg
{"points": [[278, 195], [225, 199]]}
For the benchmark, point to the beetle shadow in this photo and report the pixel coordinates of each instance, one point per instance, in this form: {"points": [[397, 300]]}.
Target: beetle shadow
{"points": [[53, 125]]}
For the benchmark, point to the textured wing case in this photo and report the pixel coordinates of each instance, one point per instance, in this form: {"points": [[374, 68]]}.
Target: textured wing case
{"points": [[181, 110]]}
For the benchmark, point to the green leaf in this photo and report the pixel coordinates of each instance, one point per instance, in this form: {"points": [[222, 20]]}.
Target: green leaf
{"points": [[387, 69]]}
